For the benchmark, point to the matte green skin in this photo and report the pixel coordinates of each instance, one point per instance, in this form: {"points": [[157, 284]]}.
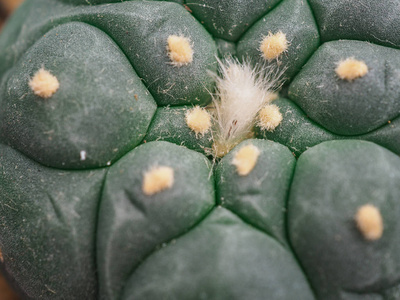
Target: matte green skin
{"points": [[359, 20], [296, 131], [229, 19], [294, 19], [260, 197], [299, 133], [331, 181], [93, 2], [126, 22], [102, 238], [48, 227], [169, 124], [96, 83], [349, 108], [163, 80], [132, 225], [222, 258]]}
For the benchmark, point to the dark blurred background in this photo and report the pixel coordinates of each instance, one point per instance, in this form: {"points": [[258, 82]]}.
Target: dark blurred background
{"points": [[6, 8]]}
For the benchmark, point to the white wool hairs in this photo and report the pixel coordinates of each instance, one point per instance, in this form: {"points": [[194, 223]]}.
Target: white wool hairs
{"points": [[241, 91]]}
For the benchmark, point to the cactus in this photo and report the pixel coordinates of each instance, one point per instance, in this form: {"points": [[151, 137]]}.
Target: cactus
{"points": [[201, 149]]}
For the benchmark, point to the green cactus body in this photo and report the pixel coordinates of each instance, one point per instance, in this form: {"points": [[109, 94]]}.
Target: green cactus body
{"points": [[144, 153]]}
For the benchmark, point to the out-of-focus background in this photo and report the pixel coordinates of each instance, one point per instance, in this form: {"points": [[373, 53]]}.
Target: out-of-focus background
{"points": [[6, 8]]}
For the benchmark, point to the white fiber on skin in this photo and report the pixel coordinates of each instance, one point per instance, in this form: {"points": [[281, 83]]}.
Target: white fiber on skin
{"points": [[242, 91]]}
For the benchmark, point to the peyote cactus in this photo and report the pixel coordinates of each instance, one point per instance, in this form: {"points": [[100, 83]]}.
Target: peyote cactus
{"points": [[201, 149]]}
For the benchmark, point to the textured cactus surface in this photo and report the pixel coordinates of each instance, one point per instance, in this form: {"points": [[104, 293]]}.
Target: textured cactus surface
{"points": [[109, 188]]}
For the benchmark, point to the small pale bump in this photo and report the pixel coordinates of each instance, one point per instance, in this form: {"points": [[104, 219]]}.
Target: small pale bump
{"points": [[269, 117], [44, 84], [369, 222], [180, 50], [82, 155], [198, 120], [273, 45], [351, 69], [157, 180], [246, 159]]}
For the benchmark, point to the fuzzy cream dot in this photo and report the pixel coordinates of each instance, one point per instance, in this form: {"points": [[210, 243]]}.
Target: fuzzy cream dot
{"points": [[369, 222], [157, 180], [180, 50], [350, 69], [269, 117], [246, 159], [273, 45], [198, 120], [44, 84]]}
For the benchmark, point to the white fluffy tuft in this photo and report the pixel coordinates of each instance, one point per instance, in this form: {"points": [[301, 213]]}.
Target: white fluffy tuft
{"points": [[242, 91]]}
